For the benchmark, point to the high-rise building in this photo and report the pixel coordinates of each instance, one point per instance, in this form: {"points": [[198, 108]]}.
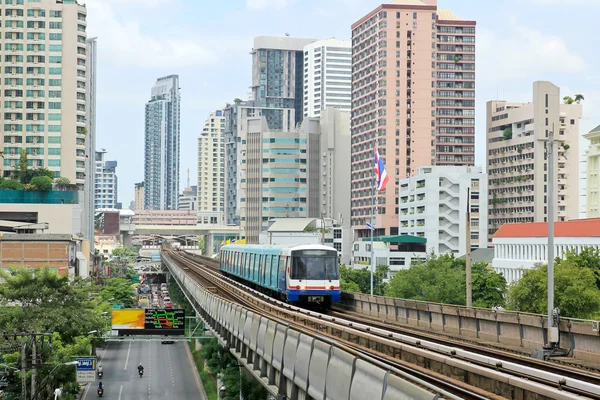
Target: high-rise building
{"points": [[188, 199], [413, 94], [139, 195], [106, 182], [211, 170], [277, 81], [327, 76], [162, 149], [43, 86], [592, 173], [433, 205], [516, 158]]}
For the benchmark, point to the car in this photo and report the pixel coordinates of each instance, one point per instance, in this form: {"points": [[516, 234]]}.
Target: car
{"points": [[163, 286], [167, 302]]}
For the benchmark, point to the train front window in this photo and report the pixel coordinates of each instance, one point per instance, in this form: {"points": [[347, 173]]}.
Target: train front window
{"points": [[314, 265]]}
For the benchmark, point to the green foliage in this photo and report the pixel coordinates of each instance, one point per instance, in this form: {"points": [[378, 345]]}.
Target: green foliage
{"points": [[119, 289], [121, 261], [10, 184], [237, 100], [566, 147], [63, 180], [23, 167], [576, 291], [568, 100], [442, 279], [42, 183], [578, 98], [507, 134], [359, 279]]}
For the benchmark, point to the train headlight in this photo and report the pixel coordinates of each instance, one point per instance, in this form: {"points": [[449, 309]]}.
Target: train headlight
{"points": [[302, 287]]}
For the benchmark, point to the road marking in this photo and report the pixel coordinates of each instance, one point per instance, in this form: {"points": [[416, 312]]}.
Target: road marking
{"points": [[194, 369], [87, 388], [120, 392], [127, 359]]}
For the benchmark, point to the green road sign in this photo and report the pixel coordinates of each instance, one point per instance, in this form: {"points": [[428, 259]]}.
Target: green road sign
{"points": [[117, 306], [136, 280]]}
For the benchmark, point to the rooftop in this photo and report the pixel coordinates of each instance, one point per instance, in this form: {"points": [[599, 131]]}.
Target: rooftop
{"points": [[397, 239], [409, 2], [481, 255], [447, 15], [575, 228], [593, 133]]}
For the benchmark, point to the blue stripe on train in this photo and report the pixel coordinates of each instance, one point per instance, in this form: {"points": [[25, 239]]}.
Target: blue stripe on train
{"points": [[294, 294]]}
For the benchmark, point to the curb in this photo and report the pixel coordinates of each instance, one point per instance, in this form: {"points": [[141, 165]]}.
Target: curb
{"points": [[203, 394]]}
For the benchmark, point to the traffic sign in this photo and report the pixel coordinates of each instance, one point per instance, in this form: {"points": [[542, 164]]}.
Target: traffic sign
{"points": [[86, 369], [117, 306]]}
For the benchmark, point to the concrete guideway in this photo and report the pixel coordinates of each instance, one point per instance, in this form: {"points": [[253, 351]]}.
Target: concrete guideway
{"points": [[245, 330]]}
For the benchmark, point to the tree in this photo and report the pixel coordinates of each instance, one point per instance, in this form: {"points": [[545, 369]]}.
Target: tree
{"points": [[578, 98], [359, 279], [575, 291], [507, 134], [568, 100], [122, 259], [23, 167], [118, 289], [589, 258], [237, 100], [42, 183], [10, 184], [442, 279]]}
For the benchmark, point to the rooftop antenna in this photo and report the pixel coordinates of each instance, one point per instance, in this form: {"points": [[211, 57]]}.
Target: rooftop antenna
{"points": [[188, 180]]}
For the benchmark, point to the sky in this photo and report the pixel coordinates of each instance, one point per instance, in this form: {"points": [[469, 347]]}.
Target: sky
{"points": [[207, 43]]}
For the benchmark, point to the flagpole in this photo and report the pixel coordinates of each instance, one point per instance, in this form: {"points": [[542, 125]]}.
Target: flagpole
{"points": [[373, 225]]}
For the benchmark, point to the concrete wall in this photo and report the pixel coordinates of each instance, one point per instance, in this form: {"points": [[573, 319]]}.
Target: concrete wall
{"points": [[502, 327]]}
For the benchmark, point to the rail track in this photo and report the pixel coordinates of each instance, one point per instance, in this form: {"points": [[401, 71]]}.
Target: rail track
{"points": [[459, 368]]}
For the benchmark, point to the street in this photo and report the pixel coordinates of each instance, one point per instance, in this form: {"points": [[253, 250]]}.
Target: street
{"points": [[168, 372]]}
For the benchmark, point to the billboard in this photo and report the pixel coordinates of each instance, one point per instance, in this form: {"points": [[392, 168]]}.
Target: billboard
{"points": [[128, 319], [149, 321], [172, 319]]}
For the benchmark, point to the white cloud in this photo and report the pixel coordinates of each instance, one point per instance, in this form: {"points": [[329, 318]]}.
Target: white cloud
{"points": [[522, 52], [125, 45], [262, 4]]}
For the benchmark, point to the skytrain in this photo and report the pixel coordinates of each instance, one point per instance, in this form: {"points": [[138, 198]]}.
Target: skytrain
{"points": [[298, 274]]}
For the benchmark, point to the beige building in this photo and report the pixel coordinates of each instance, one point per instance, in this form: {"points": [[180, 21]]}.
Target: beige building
{"points": [[592, 173], [211, 170], [515, 148], [413, 93], [43, 86], [139, 196]]}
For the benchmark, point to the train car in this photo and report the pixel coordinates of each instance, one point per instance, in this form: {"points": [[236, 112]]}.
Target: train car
{"points": [[296, 273]]}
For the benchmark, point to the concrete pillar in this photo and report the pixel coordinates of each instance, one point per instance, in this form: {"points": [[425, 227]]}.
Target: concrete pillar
{"points": [[208, 245], [127, 239]]}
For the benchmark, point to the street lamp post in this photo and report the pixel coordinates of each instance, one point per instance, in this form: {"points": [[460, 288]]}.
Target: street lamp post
{"points": [[34, 397]]}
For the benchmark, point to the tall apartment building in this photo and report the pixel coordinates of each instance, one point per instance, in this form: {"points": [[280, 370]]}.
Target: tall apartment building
{"points": [[592, 173], [327, 76], [277, 79], [516, 158], [106, 182], [413, 93], [139, 195], [235, 131], [43, 86], [211, 170], [433, 205], [162, 148]]}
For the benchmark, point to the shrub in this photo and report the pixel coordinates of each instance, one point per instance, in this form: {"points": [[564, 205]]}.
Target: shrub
{"points": [[11, 184], [42, 183]]}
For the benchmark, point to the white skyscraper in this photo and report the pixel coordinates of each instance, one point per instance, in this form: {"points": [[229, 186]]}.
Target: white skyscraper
{"points": [[162, 152], [211, 170], [106, 182], [327, 76]]}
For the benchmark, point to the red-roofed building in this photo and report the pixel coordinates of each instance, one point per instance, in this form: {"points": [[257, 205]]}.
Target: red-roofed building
{"points": [[521, 246]]}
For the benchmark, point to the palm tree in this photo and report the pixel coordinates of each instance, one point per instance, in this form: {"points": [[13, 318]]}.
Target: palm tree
{"points": [[568, 100], [578, 98]]}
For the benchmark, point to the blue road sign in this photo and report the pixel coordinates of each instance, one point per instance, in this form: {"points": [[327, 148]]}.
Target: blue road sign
{"points": [[371, 227], [155, 257], [86, 364]]}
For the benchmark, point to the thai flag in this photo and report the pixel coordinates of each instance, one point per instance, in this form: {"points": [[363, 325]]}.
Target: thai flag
{"points": [[382, 177]]}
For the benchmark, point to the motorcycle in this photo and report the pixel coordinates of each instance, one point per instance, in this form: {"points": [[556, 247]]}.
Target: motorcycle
{"points": [[100, 392], [100, 374], [141, 372]]}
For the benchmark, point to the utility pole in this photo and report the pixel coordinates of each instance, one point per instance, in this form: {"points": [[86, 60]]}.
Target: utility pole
{"points": [[33, 366], [23, 368], [468, 252], [552, 331], [323, 229]]}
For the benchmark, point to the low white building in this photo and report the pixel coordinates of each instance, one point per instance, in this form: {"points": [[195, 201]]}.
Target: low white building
{"points": [[433, 205], [288, 231], [397, 252], [520, 246]]}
